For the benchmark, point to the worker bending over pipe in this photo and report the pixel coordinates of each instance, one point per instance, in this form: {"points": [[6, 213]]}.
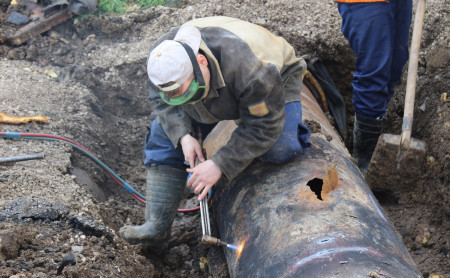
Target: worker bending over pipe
{"points": [[206, 71]]}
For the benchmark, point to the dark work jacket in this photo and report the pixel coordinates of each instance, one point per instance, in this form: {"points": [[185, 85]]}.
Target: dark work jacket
{"points": [[250, 68]]}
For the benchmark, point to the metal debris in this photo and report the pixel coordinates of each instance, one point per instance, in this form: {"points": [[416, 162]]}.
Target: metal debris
{"points": [[17, 18], [44, 18], [23, 157]]}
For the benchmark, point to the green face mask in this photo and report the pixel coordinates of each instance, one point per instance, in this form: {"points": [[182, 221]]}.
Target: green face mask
{"points": [[193, 94], [197, 89]]}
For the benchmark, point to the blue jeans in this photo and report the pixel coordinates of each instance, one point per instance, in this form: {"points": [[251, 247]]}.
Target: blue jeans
{"points": [[378, 33], [292, 142]]}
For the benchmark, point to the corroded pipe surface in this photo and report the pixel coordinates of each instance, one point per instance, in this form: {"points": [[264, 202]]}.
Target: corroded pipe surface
{"points": [[314, 217]]}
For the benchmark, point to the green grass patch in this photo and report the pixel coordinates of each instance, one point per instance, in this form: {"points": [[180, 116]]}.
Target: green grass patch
{"points": [[123, 6], [111, 6], [150, 3]]}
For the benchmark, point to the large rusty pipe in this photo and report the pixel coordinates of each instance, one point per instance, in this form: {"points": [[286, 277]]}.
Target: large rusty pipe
{"points": [[314, 217]]}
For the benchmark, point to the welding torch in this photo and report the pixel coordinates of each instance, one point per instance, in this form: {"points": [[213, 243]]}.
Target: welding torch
{"points": [[204, 218], [204, 212], [206, 227]]}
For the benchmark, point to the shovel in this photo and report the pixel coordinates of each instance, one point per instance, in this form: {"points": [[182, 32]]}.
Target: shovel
{"points": [[397, 160]]}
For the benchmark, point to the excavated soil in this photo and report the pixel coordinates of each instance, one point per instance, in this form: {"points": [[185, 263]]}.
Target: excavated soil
{"points": [[60, 215]]}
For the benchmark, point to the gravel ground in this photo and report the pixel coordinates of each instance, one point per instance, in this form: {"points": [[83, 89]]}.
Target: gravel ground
{"points": [[98, 99]]}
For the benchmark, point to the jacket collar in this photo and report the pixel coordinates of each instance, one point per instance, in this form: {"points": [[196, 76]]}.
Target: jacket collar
{"points": [[216, 81]]}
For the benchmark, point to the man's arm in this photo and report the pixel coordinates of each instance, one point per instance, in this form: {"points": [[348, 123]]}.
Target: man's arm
{"points": [[261, 109]]}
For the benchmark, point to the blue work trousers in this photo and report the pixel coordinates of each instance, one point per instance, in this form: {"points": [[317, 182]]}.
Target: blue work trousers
{"points": [[290, 145], [378, 33]]}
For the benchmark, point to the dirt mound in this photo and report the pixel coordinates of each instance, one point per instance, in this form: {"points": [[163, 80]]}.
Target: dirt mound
{"points": [[88, 76]]}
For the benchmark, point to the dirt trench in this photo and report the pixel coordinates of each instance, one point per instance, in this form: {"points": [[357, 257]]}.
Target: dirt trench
{"points": [[99, 99]]}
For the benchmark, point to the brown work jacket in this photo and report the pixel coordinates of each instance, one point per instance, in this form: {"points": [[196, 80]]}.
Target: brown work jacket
{"points": [[253, 75]]}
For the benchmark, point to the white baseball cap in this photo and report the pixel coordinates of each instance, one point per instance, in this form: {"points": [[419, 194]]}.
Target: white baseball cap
{"points": [[169, 60]]}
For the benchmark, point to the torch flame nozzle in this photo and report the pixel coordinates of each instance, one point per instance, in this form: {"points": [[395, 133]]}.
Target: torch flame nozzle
{"points": [[217, 242], [232, 246], [213, 241]]}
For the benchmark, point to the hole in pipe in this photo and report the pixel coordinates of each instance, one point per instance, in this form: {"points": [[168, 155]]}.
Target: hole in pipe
{"points": [[316, 187]]}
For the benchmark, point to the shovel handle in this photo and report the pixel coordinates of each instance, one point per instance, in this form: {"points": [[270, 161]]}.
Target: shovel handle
{"points": [[412, 76]]}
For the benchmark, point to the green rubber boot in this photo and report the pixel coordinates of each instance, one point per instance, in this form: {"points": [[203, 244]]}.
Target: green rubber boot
{"points": [[165, 188], [365, 137]]}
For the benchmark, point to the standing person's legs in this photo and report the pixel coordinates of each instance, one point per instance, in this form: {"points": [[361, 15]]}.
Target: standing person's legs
{"points": [[369, 28], [402, 13]]}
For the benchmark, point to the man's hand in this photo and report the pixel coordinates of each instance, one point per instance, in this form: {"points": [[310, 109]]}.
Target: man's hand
{"points": [[204, 176], [191, 149]]}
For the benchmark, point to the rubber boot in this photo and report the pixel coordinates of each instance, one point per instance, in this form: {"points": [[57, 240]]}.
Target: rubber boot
{"points": [[365, 136], [165, 188]]}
